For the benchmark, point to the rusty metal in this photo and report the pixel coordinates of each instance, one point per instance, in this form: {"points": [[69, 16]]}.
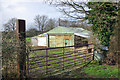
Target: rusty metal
{"points": [[74, 56], [21, 56], [63, 58]]}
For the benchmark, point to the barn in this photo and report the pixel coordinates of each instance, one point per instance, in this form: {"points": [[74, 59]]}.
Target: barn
{"points": [[62, 36], [67, 36], [39, 40]]}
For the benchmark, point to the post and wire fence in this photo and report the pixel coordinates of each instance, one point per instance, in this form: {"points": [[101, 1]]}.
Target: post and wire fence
{"points": [[49, 61]]}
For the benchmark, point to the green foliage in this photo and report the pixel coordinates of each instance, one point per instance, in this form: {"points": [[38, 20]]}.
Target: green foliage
{"points": [[28, 39], [103, 16], [9, 54]]}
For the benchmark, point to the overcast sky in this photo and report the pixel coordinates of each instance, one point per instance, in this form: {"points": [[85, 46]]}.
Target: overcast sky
{"points": [[26, 9]]}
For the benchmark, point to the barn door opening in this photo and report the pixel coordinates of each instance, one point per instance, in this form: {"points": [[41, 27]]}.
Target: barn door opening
{"points": [[66, 42]]}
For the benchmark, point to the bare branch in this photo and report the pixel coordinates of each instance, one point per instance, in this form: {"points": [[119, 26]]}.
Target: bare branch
{"points": [[10, 25]]}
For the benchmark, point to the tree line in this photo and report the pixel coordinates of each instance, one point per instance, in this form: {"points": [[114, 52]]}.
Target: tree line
{"points": [[43, 24]]}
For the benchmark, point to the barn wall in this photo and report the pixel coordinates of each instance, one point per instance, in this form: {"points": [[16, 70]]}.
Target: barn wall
{"points": [[60, 40], [34, 41], [90, 41], [42, 41]]}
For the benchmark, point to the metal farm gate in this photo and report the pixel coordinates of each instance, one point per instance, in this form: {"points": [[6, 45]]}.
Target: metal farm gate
{"points": [[49, 61]]}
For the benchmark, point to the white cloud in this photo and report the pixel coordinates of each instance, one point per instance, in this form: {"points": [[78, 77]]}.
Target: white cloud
{"points": [[7, 3], [15, 1], [20, 9], [26, 9]]}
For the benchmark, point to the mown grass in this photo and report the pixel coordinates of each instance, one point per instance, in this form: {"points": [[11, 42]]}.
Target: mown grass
{"points": [[101, 71]]}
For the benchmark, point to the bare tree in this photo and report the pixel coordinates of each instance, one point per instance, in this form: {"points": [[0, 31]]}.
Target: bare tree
{"points": [[37, 20], [83, 25], [72, 8], [75, 10], [10, 25], [41, 21], [32, 32], [50, 24], [64, 22]]}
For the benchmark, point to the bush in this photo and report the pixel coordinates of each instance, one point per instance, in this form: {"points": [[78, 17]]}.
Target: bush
{"points": [[9, 54]]}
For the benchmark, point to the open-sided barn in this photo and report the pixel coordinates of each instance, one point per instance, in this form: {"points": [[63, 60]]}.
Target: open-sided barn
{"points": [[40, 40], [62, 36], [67, 36]]}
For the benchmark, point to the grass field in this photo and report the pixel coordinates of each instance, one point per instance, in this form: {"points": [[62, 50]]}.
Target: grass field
{"points": [[55, 63], [92, 71], [101, 71], [28, 39]]}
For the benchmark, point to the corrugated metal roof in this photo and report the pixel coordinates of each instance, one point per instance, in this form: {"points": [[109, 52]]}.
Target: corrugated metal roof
{"points": [[43, 35], [76, 31], [60, 30]]}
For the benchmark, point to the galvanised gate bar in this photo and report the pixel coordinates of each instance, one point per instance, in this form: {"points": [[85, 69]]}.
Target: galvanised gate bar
{"points": [[50, 61]]}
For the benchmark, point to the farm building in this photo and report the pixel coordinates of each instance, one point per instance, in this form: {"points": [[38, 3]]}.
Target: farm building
{"points": [[67, 36], [62, 36], [39, 40]]}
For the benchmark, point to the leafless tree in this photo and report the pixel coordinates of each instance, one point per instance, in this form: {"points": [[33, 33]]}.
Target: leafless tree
{"points": [[41, 21], [72, 8], [75, 10], [51, 24], [32, 32], [64, 22], [83, 25], [73, 23], [10, 25]]}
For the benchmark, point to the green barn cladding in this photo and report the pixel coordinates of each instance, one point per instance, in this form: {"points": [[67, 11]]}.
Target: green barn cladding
{"points": [[63, 36]]}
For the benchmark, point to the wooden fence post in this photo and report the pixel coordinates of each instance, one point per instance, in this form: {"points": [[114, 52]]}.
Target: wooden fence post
{"points": [[21, 56], [46, 61], [93, 51], [63, 58], [74, 56]]}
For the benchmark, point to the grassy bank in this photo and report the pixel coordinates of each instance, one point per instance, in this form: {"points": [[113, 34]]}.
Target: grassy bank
{"points": [[92, 70], [101, 71]]}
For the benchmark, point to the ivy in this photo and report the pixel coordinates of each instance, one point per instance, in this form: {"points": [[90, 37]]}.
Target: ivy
{"points": [[102, 16]]}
